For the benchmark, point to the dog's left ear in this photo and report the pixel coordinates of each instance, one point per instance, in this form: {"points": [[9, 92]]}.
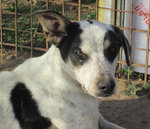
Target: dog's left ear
{"points": [[125, 43], [54, 25]]}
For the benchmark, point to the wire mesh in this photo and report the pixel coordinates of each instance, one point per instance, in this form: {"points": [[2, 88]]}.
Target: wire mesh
{"points": [[21, 31]]}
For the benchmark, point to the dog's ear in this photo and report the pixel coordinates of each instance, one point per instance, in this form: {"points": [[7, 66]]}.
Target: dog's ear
{"points": [[54, 25], [125, 43]]}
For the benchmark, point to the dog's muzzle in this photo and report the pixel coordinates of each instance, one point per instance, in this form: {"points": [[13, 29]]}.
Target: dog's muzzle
{"points": [[106, 88]]}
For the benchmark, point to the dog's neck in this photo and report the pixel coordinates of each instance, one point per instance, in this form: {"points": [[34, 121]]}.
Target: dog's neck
{"points": [[54, 70], [51, 71], [57, 64]]}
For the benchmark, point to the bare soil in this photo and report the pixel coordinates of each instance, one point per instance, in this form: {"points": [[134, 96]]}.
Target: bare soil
{"points": [[130, 112]]}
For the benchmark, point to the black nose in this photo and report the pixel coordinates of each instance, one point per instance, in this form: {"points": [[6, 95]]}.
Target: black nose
{"points": [[106, 87]]}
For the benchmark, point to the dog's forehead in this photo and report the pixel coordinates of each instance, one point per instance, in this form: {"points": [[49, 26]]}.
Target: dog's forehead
{"points": [[90, 36], [91, 23], [93, 34]]}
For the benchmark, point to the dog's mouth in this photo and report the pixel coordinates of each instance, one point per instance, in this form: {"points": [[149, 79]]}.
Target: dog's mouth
{"points": [[98, 93], [104, 95]]}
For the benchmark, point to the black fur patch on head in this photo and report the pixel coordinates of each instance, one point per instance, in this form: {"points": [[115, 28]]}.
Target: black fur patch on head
{"points": [[115, 43], [70, 43], [26, 109], [91, 22]]}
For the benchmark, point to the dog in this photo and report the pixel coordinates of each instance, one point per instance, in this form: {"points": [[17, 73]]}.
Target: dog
{"points": [[62, 88]]}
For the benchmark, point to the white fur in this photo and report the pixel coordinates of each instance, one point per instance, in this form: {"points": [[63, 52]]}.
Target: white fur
{"points": [[93, 46], [57, 86]]}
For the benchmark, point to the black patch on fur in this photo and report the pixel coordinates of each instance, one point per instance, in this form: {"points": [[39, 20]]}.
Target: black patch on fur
{"points": [[91, 22], [70, 43], [26, 109], [115, 43], [125, 43]]}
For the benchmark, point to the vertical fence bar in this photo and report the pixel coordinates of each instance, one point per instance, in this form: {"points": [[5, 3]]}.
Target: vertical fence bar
{"points": [[121, 23], [97, 9], [47, 4], [31, 19], [1, 24], [63, 7], [114, 12], [16, 29], [47, 7], [147, 48], [131, 29], [79, 10]]}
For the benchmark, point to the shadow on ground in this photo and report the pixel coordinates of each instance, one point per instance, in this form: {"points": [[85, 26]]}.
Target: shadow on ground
{"points": [[131, 114]]}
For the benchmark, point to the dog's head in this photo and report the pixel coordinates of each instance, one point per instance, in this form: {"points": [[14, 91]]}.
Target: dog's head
{"points": [[90, 48]]}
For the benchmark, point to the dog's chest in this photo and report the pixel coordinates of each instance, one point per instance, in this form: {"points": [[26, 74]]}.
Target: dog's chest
{"points": [[71, 111], [73, 115]]}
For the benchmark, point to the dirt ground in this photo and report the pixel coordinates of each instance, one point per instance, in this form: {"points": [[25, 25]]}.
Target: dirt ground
{"points": [[130, 112]]}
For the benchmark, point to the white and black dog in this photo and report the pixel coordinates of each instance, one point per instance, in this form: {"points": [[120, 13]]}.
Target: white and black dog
{"points": [[61, 89]]}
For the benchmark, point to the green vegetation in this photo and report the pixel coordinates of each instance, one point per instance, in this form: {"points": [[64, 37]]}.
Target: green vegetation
{"points": [[131, 90], [24, 27], [132, 74], [89, 16], [24, 20], [138, 89], [23, 24]]}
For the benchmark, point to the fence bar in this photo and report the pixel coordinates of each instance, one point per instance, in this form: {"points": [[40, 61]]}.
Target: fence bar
{"points": [[97, 1], [131, 20], [79, 10], [1, 24], [125, 11], [22, 46], [63, 7], [147, 48], [13, 13], [133, 64], [31, 19], [121, 19], [16, 29], [47, 4], [105, 8], [133, 29], [47, 7], [83, 5], [114, 12], [122, 28]]}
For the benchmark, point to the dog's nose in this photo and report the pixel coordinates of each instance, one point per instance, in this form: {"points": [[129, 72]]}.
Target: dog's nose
{"points": [[107, 87]]}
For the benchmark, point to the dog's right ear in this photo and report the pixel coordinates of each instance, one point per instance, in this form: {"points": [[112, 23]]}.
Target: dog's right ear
{"points": [[54, 25]]}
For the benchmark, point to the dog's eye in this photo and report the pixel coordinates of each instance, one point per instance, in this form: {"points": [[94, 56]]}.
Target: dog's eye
{"points": [[79, 53], [79, 57]]}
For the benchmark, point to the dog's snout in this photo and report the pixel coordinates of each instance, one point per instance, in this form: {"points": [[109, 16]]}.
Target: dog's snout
{"points": [[112, 84], [106, 87]]}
